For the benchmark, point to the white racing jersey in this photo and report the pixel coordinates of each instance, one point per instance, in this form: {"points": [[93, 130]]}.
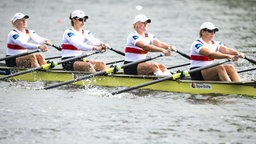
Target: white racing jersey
{"points": [[198, 60], [19, 42], [74, 42], [134, 53]]}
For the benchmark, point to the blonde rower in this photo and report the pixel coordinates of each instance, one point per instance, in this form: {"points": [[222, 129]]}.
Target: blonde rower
{"points": [[20, 40], [139, 44]]}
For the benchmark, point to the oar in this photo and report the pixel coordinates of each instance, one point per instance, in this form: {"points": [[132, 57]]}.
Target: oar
{"points": [[107, 71], [55, 57], [46, 66], [178, 66], [250, 60], [114, 62], [21, 54], [183, 54], [251, 69], [174, 76], [57, 47], [119, 52]]}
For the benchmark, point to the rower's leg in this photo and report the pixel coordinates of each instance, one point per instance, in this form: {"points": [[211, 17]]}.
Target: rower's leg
{"points": [[147, 68], [27, 61], [98, 65], [40, 59], [234, 76], [216, 73], [83, 66], [164, 70]]}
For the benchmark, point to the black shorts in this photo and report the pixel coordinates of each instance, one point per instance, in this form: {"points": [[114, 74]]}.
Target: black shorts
{"points": [[196, 75], [130, 69], [11, 62], [69, 65]]}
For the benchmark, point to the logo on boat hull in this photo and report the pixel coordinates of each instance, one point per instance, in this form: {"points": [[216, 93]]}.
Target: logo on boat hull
{"points": [[200, 85]]}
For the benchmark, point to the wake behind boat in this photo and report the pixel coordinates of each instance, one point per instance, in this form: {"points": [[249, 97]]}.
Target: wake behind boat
{"points": [[183, 85]]}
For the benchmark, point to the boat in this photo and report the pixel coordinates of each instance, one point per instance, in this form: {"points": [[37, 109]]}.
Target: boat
{"points": [[183, 85]]}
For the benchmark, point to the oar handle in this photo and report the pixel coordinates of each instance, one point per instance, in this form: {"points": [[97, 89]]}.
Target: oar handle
{"points": [[119, 52]]}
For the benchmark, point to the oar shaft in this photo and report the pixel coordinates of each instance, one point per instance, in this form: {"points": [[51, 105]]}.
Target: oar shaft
{"points": [[58, 48], [186, 64], [119, 52], [241, 71], [170, 77], [22, 54], [183, 54], [250, 60], [49, 58], [76, 80], [142, 85], [114, 62], [46, 66], [77, 57], [107, 71], [140, 61], [209, 66], [20, 73]]}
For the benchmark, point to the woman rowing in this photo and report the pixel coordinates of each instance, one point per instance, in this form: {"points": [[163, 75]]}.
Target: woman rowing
{"points": [[205, 50], [76, 40], [20, 40], [139, 43]]}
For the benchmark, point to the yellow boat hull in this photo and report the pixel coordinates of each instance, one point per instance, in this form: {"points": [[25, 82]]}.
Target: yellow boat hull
{"points": [[117, 80]]}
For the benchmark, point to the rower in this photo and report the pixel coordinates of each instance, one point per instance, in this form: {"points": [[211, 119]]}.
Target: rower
{"points": [[139, 44], [20, 40], [76, 40], [205, 50]]}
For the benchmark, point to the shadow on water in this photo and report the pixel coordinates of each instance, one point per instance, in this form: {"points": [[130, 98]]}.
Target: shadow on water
{"points": [[210, 99]]}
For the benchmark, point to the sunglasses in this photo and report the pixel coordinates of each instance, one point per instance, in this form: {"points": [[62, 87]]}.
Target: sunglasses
{"points": [[211, 31], [82, 19]]}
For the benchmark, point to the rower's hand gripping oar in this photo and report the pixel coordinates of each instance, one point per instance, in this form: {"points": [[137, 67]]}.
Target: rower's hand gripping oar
{"points": [[21, 54], [174, 76], [46, 66], [107, 71]]}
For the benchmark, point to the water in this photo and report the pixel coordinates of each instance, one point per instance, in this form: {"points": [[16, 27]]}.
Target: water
{"points": [[86, 115]]}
